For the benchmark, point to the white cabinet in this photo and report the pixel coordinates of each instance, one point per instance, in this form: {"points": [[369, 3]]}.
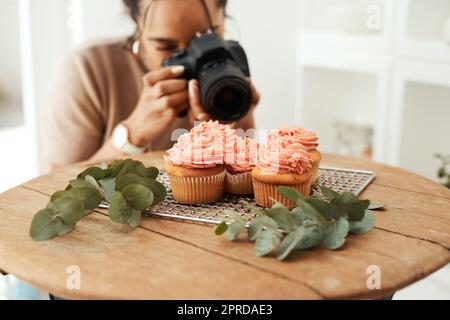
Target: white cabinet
{"points": [[395, 78]]}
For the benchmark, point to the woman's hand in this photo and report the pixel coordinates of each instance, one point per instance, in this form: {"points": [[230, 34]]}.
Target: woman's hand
{"points": [[163, 97], [197, 112]]}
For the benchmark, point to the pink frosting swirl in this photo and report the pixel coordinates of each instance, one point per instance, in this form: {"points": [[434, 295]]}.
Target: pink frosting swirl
{"points": [[205, 146], [290, 158], [295, 134], [244, 155]]}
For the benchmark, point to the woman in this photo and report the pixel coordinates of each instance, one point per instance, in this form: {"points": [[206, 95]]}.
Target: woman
{"points": [[110, 92]]}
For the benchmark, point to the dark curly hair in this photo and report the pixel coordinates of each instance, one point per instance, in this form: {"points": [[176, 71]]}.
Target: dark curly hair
{"points": [[134, 8]]}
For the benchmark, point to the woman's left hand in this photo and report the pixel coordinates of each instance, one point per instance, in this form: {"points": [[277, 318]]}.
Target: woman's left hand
{"points": [[198, 113]]}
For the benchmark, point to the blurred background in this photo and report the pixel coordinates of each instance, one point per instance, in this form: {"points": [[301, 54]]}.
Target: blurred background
{"points": [[371, 77]]}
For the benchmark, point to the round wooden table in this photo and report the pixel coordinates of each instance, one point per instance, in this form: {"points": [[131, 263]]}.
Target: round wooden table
{"points": [[165, 259]]}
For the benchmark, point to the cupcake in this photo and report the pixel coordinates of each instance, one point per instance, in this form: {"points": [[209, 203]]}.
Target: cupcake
{"points": [[195, 166], [278, 165], [309, 139], [238, 178]]}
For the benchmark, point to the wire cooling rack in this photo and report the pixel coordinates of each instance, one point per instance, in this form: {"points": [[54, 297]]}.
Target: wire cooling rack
{"points": [[337, 179]]}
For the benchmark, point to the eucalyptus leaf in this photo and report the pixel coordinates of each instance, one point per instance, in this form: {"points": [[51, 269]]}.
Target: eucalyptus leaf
{"points": [[81, 184], [108, 185], [336, 234], [376, 206], [257, 210], [299, 214], [290, 193], [158, 189], [329, 210], [289, 242], [312, 237], [94, 183], [441, 172], [95, 172], [234, 230], [329, 193], [90, 197], [127, 179], [152, 173], [365, 225], [221, 228], [351, 205], [119, 209], [283, 217], [234, 216], [135, 218], [312, 213], [266, 242], [60, 194], [260, 223], [138, 196], [47, 225], [70, 210]]}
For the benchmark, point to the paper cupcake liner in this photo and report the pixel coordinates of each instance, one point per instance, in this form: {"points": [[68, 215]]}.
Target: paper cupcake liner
{"points": [[265, 192], [239, 184], [197, 190]]}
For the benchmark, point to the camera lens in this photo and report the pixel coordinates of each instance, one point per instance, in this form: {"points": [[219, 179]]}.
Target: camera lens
{"points": [[225, 92]]}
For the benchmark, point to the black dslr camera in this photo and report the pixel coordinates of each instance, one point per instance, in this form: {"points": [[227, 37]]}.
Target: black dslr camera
{"points": [[221, 67]]}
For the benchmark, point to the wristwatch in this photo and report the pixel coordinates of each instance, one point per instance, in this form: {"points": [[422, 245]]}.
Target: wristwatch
{"points": [[121, 140]]}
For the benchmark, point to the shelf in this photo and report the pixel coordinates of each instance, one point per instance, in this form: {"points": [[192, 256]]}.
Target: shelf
{"points": [[421, 31], [359, 25], [421, 110], [331, 97]]}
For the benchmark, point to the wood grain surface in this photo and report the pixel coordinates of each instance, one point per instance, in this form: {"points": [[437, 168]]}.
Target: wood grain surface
{"points": [[165, 259]]}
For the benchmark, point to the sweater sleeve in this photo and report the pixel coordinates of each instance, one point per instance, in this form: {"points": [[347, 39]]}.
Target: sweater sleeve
{"points": [[73, 124]]}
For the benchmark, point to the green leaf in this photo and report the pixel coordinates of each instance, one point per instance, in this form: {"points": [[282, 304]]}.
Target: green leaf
{"points": [[158, 189], [257, 210], [221, 228], [329, 193], [81, 184], [152, 173], [289, 242], [135, 218], [70, 210], [266, 242], [47, 225], [258, 224], [336, 234], [312, 213], [95, 172], [376, 206], [290, 193], [365, 225], [299, 214], [351, 205], [60, 194], [108, 185], [328, 210], [94, 183], [283, 217], [127, 179], [441, 172], [90, 197], [235, 217], [234, 230], [119, 209], [312, 237], [122, 167], [138, 196]]}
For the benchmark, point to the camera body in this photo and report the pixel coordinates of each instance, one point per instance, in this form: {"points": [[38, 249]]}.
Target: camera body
{"points": [[222, 69]]}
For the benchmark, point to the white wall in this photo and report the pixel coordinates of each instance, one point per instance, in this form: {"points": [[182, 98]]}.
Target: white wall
{"points": [[269, 33]]}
